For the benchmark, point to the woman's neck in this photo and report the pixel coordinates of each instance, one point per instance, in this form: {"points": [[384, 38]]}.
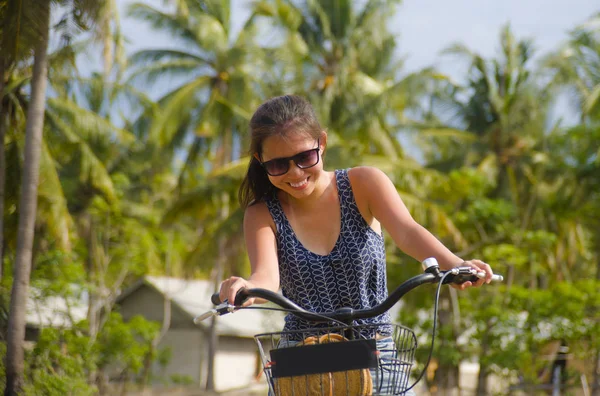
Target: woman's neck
{"points": [[324, 186]]}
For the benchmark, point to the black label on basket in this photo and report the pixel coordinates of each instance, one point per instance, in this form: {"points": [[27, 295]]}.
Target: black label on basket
{"points": [[323, 358]]}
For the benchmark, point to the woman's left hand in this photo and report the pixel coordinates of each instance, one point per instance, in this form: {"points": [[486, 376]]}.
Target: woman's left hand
{"points": [[480, 266]]}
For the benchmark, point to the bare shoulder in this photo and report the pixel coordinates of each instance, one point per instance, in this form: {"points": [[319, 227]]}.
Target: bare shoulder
{"points": [[367, 177], [257, 215], [369, 186]]}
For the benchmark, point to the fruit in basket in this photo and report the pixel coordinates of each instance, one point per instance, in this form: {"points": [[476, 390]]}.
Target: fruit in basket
{"points": [[308, 341], [313, 384], [350, 382], [342, 383]]}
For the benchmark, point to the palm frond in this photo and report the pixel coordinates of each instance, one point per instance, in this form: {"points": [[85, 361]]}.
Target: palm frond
{"points": [[52, 203], [435, 218], [219, 10], [592, 101], [210, 34], [236, 170], [206, 253], [177, 108], [197, 202], [145, 57], [91, 170], [164, 70], [20, 27], [447, 133], [89, 124], [176, 26]]}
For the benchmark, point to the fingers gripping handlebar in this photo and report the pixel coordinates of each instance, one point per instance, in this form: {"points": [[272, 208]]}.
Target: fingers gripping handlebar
{"points": [[432, 274], [458, 276]]}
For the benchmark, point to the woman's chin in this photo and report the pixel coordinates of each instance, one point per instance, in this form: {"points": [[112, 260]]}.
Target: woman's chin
{"points": [[299, 193]]}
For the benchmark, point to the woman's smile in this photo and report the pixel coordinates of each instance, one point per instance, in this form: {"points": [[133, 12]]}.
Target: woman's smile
{"points": [[300, 185]]}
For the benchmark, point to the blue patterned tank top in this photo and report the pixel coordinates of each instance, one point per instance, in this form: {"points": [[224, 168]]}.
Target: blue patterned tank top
{"points": [[351, 275]]}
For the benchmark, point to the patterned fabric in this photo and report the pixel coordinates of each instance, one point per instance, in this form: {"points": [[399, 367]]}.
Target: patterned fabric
{"points": [[351, 275]]}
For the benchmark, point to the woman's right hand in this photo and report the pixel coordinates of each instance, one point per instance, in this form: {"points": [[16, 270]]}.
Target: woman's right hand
{"points": [[230, 287]]}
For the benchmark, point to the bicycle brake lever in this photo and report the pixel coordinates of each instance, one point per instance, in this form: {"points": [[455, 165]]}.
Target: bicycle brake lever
{"points": [[219, 310]]}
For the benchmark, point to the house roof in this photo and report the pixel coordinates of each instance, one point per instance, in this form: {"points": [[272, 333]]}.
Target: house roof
{"points": [[53, 311], [193, 298]]}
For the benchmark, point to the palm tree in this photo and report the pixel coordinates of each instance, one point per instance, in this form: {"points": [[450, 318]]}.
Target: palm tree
{"points": [[14, 44], [3, 126], [504, 111], [70, 131], [576, 66], [219, 84], [339, 54], [577, 183], [28, 205], [204, 115], [28, 199]]}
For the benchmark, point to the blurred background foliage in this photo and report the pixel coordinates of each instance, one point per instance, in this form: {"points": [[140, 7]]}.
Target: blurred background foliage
{"points": [[135, 183]]}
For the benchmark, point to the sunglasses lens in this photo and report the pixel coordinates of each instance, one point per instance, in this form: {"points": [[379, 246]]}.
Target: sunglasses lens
{"points": [[277, 167], [307, 159]]}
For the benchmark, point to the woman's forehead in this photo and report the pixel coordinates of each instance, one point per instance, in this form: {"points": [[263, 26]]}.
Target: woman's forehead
{"points": [[278, 146]]}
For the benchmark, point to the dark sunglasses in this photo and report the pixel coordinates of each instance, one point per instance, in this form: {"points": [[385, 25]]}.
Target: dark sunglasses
{"points": [[303, 160]]}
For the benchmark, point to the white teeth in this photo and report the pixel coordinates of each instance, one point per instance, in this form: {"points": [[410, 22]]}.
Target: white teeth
{"points": [[300, 184]]}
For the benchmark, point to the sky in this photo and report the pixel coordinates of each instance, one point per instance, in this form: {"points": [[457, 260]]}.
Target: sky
{"points": [[425, 27]]}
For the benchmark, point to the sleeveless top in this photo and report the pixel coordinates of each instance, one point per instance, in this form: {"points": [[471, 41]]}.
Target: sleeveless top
{"points": [[351, 275]]}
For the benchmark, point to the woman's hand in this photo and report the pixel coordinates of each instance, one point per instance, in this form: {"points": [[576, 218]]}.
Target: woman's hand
{"points": [[480, 266], [230, 287]]}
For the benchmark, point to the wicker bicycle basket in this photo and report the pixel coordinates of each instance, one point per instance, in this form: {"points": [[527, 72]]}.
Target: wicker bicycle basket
{"points": [[338, 361]]}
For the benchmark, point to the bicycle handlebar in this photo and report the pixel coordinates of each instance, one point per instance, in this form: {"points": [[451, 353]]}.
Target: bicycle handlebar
{"points": [[432, 274]]}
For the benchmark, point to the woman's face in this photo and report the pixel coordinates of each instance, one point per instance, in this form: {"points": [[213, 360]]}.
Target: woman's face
{"points": [[297, 182]]}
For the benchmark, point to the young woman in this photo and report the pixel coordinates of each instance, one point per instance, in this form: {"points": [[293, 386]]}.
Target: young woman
{"points": [[317, 234]]}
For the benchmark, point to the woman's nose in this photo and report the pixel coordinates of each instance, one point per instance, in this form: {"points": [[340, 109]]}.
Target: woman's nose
{"points": [[294, 169]]}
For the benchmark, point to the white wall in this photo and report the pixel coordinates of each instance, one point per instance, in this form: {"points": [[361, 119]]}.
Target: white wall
{"points": [[236, 363], [186, 354]]}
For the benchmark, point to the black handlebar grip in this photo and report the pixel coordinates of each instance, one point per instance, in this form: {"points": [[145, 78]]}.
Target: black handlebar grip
{"points": [[240, 297], [459, 279], [462, 278]]}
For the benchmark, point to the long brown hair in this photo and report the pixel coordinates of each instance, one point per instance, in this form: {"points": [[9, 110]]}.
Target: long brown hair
{"points": [[277, 116]]}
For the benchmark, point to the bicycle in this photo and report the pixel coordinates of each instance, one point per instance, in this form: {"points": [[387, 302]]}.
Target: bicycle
{"points": [[345, 358]]}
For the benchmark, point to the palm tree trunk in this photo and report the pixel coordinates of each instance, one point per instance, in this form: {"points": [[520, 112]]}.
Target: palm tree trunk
{"points": [[2, 166], [596, 376], [27, 210]]}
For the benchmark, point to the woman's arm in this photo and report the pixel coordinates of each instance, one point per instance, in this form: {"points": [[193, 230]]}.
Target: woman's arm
{"points": [[387, 207], [262, 252]]}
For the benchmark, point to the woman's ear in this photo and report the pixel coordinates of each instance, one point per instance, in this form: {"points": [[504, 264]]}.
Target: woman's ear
{"points": [[323, 142], [255, 155]]}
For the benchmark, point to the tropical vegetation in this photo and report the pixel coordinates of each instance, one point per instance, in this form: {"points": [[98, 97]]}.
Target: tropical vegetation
{"points": [[103, 180]]}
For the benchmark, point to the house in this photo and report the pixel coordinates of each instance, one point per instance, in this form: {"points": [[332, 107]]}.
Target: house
{"points": [[237, 363], [50, 311]]}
